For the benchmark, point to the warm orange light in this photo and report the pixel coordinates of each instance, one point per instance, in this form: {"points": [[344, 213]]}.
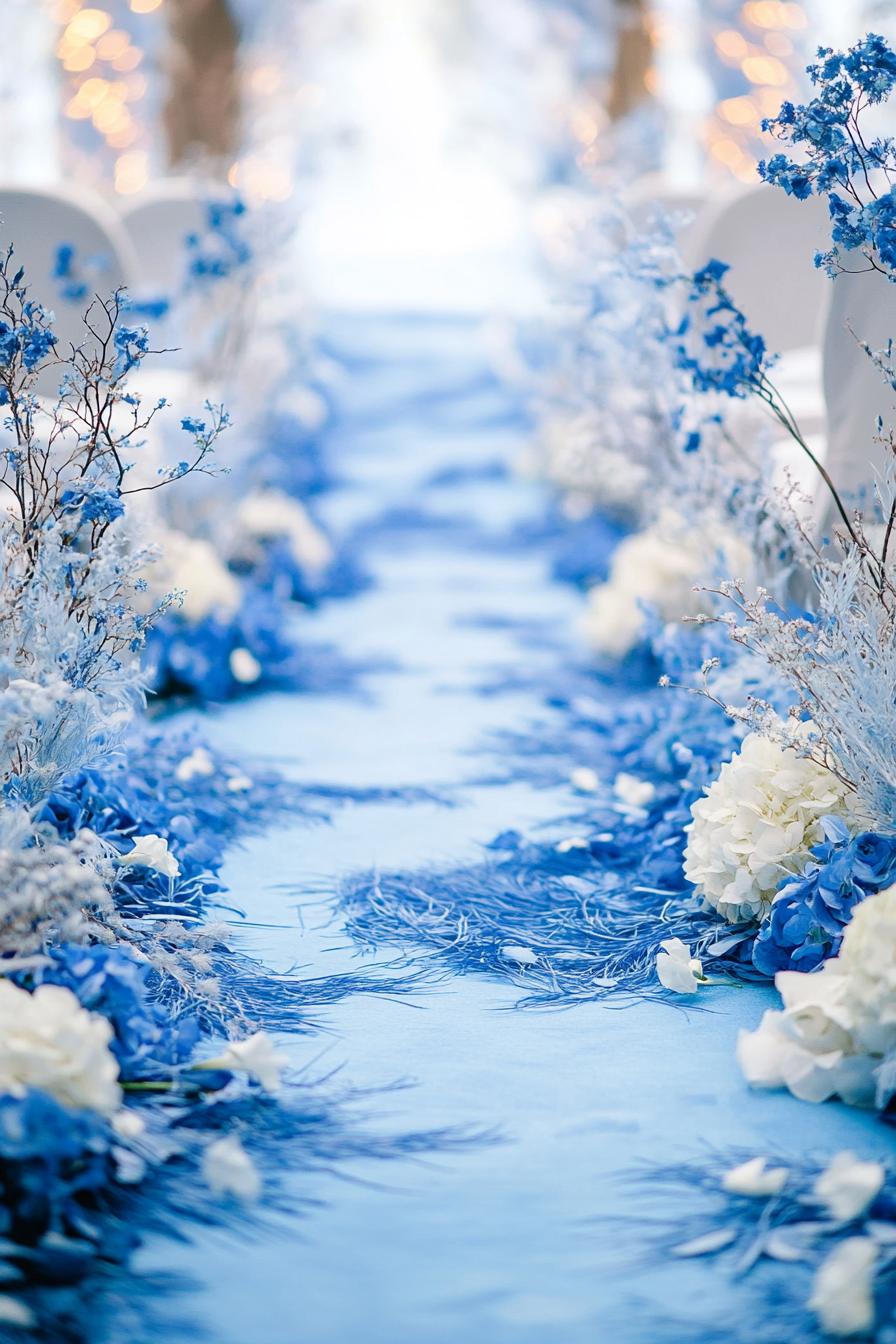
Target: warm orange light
{"points": [[112, 44], [131, 172], [78, 59], [129, 59], [145, 6], [778, 44], [111, 117], [263, 180], [732, 45], [76, 110], [134, 88], [738, 111], [88, 24], [765, 70], [727, 151], [124, 138]]}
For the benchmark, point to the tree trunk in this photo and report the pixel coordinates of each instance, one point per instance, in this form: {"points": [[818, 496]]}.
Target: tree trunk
{"points": [[634, 53], [202, 108]]}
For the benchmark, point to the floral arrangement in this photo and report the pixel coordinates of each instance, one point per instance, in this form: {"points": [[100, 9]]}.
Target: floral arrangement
{"points": [[134, 1032], [741, 840]]}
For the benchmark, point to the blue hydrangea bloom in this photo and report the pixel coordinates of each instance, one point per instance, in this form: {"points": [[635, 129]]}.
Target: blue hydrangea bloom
{"points": [[148, 1039], [805, 923]]}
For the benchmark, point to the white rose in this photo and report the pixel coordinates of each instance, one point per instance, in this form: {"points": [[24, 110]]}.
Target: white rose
{"points": [[49, 1042]]}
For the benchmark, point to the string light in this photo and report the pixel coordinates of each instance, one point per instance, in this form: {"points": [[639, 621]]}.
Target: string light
{"points": [[759, 47], [104, 88]]}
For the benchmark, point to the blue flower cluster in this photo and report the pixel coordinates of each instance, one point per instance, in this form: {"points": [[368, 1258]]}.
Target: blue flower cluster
{"points": [[222, 248], [712, 342], [809, 913], [835, 158], [149, 1039], [202, 659]]}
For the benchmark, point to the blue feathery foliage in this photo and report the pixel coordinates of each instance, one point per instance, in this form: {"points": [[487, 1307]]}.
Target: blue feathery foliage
{"points": [[582, 915], [776, 1240]]}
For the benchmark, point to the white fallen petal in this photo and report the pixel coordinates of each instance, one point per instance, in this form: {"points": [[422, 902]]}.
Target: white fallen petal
{"points": [[755, 1178], [848, 1186], [842, 1294], [523, 956], [229, 1170]]}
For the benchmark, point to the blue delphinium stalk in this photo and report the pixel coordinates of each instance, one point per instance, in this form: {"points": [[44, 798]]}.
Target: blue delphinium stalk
{"points": [[837, 161], [713, 344]]}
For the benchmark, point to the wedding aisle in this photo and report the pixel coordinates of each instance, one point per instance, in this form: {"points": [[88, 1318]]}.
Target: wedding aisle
{"points": [[447, 672], [540, 1228]]}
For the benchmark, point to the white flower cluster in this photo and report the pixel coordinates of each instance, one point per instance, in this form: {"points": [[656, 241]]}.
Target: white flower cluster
{"points": [[50, 889], [655, 570], [192, 566], [836, 1033], [49, 1042], [270, 515], [757, 823], [579, 459]]}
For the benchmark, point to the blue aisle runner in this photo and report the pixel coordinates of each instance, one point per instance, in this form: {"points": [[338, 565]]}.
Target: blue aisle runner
{"points": [[543, 1236]]}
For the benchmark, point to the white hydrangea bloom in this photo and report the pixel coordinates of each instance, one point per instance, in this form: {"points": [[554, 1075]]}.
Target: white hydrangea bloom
{"points": [[266, 515], [49, 1042], [837, 1025], [655, 568], [757, 823], [193, 566]]}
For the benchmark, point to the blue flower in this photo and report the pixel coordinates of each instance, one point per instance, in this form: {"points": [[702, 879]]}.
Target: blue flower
{"points": [[148, 1038], [131, 345], [805, 923], [833, 154]]}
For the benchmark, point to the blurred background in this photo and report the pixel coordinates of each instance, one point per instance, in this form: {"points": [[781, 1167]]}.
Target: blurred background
{"points": [[403, 131]]}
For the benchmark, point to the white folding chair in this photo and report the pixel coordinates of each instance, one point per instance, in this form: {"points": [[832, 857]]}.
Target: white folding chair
{"points": [[158, 222], [862, 308], [769, 240], [38, 221]]}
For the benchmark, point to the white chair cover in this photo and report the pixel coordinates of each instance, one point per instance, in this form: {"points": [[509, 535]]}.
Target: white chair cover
{"points": [[37, 221], [158, 222], [856, 393], [769, 241]]}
